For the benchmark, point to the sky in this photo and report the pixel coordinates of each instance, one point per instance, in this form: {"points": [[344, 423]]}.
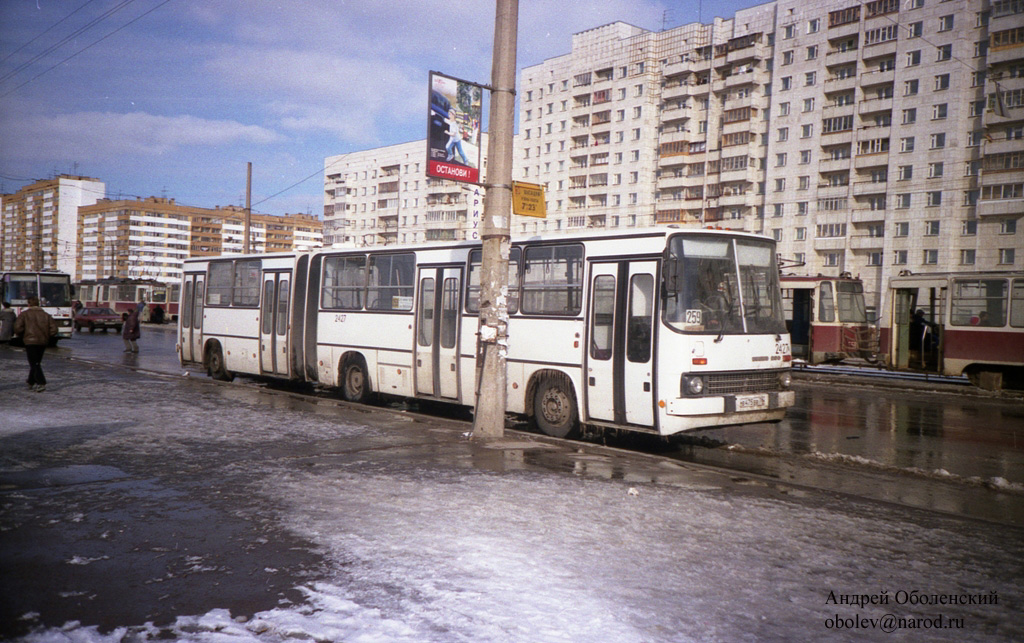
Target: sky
{"points": [[174, 98]]}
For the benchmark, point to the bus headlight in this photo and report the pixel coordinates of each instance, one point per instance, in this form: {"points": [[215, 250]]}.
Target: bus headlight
{"points": [[785, 379], [693, 384]]}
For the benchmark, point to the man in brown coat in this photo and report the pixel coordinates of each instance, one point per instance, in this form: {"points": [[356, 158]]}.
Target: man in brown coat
{"points": [[35, 327]]}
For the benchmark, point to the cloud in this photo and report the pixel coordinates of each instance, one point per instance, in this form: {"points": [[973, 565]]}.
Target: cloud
{"points": [[105, 134]]}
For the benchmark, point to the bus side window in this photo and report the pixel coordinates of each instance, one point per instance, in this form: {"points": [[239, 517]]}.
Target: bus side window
{"points": [[826, 305]]}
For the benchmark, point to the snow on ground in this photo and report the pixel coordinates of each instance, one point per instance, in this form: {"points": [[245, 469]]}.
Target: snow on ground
{"points": [[433, 549]]}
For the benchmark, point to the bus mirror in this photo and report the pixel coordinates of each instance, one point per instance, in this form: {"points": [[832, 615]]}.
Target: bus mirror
{"points": [[671, 277]]}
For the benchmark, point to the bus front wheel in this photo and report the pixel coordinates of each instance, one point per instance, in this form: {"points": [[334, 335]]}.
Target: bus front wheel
{"points": [[355, 385], [554, 408], [217, 368]]}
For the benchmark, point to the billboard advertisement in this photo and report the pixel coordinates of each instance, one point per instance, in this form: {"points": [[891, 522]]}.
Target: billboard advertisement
{"points": [[453, 129]]}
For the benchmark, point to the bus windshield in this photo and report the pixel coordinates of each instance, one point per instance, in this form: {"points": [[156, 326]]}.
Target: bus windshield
{"points": [[52, 290], [851, 302], [723, 286]]}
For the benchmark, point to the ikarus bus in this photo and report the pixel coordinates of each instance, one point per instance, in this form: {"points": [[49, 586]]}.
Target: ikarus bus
{"points": [[657, 331]]}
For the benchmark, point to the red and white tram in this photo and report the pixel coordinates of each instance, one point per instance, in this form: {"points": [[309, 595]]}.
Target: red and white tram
{"points": [[827, 319], [957, 324], [122, 295]]}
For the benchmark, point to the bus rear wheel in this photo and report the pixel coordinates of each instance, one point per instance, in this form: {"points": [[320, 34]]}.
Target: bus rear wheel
{"points": [[355, 385], [554, 408]]}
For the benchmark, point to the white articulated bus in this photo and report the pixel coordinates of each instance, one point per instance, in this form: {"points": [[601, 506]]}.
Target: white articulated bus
{"points": [[659, 331], [53, 290]]}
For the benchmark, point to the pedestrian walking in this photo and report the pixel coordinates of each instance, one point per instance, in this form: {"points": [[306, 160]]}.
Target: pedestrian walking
{"points": [[7, 318], [130, 331], [35, 327]]}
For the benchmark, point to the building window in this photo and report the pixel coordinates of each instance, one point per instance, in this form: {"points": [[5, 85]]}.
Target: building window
{"points": [[874, 258], [930, 257], [969, 227], [910, 116], [805, 182], [813, 25], [913, 58], [931, 228], [1006, 256], [938, 140], [783, 109], [910, 87], [945, 52], [808, 104], [780, 185], [801, 234], [939, 111], [787, 57], [810, 78], [777, 234], [806, 131], [812, 52], [915, 29], [1008, 226], [783, 134], [906, 172], [899, 258], [934, 199], [902, 201], [805, 157], [946, 23], [801, 207], [902, 228], [831, 259], [780, 160], [787, 82], [935, 170], [967, 257], [941, 82]]}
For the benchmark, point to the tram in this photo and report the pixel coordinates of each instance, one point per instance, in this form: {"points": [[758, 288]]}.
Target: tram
{"points": [[123, 295], [827, 319], [957, 324], [51, 287], [656, 331]]}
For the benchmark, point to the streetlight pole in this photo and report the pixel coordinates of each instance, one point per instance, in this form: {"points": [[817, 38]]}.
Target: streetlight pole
{"points": [[489, 418]]}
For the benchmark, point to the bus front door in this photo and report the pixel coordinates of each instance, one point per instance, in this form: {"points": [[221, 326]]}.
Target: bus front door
{"points": [[274, 315], [190, 318], [436, 347], [620, 340]]}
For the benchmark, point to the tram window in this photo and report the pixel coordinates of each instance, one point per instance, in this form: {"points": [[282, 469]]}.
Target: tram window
{"points": [[247, 283], [602, 320], [979, 302], [551, 280], [851, 302], [473, 282], [344, 282], [641, 309], [826, 304], [1017, 304], [390, 284]]}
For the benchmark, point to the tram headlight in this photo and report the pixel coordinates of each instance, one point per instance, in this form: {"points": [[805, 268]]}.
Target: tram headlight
{"points": [[785, 379], [693, 384]]}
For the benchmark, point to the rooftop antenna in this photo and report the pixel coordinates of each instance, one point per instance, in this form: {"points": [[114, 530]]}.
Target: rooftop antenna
{"points": [[666, 17]]}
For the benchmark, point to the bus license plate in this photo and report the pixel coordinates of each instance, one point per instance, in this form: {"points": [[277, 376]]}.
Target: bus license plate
{"points": [[751, 402]]}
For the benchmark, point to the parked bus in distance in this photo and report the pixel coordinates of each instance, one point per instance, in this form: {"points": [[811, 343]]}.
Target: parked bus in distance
{"points": [[827, 320], [657, 331], [967, 323], [54, 292], [122, 295]]}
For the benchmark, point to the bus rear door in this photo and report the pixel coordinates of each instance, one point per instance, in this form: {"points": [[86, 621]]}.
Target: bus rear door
{"points": [[274, 315], [436, 349], [620, 373]]}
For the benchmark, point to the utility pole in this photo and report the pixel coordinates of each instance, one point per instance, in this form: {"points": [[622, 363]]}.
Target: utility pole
{"points": [[248, 207], [489, 418]]}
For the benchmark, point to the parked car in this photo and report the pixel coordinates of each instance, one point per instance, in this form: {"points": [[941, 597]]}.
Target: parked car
{"points": [[97, 319]]}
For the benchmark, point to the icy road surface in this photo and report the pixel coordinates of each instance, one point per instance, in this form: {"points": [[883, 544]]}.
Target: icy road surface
{"points": [[421, 535]]}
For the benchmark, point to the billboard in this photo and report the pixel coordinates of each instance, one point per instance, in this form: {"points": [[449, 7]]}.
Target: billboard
{"points": [[453, 129]]}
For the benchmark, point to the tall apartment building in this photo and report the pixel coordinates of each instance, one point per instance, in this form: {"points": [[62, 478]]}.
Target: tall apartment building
{"points": [[150, 238], [866, 137], [39, 223], [382, 196], [884, 137]]}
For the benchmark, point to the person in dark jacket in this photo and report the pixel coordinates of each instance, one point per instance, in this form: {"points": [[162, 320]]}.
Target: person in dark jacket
{"points": [[130, 331], [7, 317], [35, 327]]}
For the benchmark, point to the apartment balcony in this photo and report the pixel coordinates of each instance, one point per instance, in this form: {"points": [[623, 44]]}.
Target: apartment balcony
{"points": [[864, 214], [671, 181], [830, 111], [826, 191], [873, 78], [729, 200], [875, 105], [848, 29], [1002, 145], [877, 159], [864, 242], [1001, 207], [737, 103], [689, 65], [674, 113], [834, 58], [861, 188], [757, 51], [830, 243], [880, 49], [833, 165], [836, 84], [737, 80], [675, 90], [1005, 54], [675, 137]]}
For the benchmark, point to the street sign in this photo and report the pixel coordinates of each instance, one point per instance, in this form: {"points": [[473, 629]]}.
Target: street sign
{"points": [[528, 200]]}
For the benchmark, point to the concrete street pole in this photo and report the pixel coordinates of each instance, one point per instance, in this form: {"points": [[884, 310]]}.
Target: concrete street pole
{"points": [[248, 207], [489, 419]]}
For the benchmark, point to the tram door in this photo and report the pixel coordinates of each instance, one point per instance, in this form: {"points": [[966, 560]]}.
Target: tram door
{"points": [[903, 304], [620, 340], [191, 318], [274, 323], [436, 349]]}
